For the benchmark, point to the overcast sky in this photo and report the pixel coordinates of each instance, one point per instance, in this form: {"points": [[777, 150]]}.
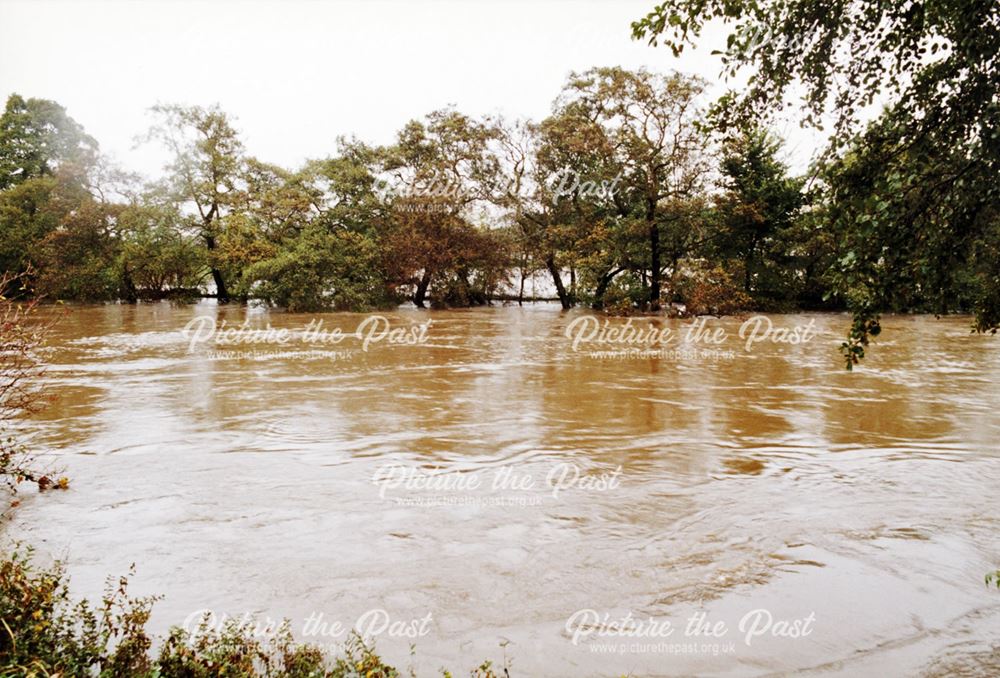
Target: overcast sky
{"points": [[297, 74]]}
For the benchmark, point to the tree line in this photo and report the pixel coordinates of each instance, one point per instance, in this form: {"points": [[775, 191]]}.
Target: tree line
{"points": [[622, 197], [633, 195]]}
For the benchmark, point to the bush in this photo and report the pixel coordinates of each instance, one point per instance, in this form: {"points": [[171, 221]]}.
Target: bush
{"points": [[44, 633], [626, 295], [711, 291], [319, 270]]}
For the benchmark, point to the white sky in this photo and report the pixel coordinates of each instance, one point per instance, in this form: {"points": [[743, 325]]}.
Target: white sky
{"points": [[296, 74]]}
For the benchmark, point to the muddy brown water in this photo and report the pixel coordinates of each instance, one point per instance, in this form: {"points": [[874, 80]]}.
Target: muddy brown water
{"points": [[490, 492]]}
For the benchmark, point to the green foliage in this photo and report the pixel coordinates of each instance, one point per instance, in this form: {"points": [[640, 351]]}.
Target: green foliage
{"points": [[758, 212], [938, 59], [318, 270], [76, 260], [445, 213], [919, 228], [37, 138], [29, 212], [912, 199], [155, 257], [640, 129], [44, 633], [45, 159], [619, 194], [205, 175], [436, 180], [625, 295], [233, 650]]}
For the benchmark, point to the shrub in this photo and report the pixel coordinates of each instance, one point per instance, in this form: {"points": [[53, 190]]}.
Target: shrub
{"points": [[44, 633], [711, 291]]}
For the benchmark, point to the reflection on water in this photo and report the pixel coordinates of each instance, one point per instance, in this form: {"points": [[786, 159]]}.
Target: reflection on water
{"points": [[770, 479]]}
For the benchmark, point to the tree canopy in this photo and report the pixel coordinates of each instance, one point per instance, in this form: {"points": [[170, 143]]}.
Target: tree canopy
{"points": [[912, 194]]}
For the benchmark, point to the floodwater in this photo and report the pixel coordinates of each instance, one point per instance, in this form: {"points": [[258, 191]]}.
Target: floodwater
{"points": [[528, 496]]}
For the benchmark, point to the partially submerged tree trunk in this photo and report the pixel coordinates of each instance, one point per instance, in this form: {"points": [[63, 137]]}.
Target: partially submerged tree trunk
{"points": [[129, 292], [564, 297], [420, 295], [602, 286], [654, 252], [221, 293]]}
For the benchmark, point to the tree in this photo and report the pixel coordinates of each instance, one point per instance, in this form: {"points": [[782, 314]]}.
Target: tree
{"points": [[936, 61], [437, 178], [917, 199], [319, 270], [649, 123], [46, 160], [760, 203], [77, 259], [516, 192], [37, 137], [569, 224], [309, 240], [156, 259], [29, 211], [918, 229], [272, 207], [205, 171]]}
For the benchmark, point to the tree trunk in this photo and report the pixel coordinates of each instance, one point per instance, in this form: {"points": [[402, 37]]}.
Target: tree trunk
{"points": [[654, 256], [131, 294], [520, 291], [421, 294], [564, 298], [602, 287], [220, 286], [221, 293]]}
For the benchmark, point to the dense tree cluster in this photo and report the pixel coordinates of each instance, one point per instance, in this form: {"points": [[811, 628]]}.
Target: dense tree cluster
{"points": [[620, 197]]}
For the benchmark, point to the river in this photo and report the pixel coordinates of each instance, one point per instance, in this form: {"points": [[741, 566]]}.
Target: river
{"points": [[492, 491]]}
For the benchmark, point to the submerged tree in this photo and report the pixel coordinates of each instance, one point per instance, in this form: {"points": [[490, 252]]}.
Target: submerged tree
{"points": [[757, 211], [46, 160], [645, 126], [575, 175], [318, 248], [437, 180], [205, 172], [156, 257]]}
